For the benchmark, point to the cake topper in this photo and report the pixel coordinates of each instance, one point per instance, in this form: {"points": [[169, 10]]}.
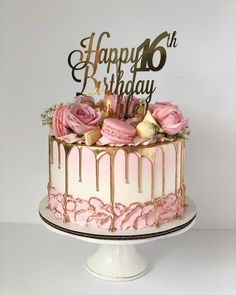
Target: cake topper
{"points": [[149, 56], [124, 95], [142, 59]]}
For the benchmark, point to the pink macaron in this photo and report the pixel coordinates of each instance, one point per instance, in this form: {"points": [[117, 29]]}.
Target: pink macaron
{"points": [[59, 124], [118, 131]]}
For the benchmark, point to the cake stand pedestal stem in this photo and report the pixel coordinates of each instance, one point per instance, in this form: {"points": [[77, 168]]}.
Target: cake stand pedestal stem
{"points": [[117, 263]]}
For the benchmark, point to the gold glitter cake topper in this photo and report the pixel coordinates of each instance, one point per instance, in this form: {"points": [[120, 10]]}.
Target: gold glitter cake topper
{"points": [[148, 56]]}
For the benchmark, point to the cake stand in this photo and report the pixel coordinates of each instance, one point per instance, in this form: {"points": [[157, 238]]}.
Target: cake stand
{"points": [[117, 258]]}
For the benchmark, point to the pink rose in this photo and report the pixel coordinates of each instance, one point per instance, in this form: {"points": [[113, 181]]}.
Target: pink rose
{"points": [[81, 117], [85, 99], [60, 126], [169, 116], [174, 123], [160, 110]]}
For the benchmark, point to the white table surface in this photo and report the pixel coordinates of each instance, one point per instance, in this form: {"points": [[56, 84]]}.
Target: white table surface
{"points": [[36, 261]]}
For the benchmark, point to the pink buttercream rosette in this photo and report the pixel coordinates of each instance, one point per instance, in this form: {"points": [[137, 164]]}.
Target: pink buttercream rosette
{"points": [[56, 203], [94, 213]]}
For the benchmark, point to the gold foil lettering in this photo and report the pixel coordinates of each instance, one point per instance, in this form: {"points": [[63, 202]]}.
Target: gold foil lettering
{"points": [[141, 59]]}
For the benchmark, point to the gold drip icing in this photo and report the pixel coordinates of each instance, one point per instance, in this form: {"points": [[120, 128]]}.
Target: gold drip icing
{"points": [[126, 167], [163, 149], [148, 152], [143, 150], [112, 188], [67, 149], [176, 145], [50, 149], [98, 154], [59, 154], [80, 163], [182, 186], [182, 162], [97, 174]]}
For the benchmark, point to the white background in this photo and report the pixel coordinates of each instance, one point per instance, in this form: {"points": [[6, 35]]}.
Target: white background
{"points": [[36, 261], [199, 76]]}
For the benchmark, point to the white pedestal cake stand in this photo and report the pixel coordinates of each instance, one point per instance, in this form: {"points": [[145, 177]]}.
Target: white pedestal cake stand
{"points": [[117, 258]]}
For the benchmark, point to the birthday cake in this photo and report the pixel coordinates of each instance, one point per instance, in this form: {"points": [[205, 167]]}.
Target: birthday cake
{"points": [[116, 164]]}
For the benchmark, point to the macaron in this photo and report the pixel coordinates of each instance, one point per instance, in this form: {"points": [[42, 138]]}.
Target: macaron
{"points": [[60, 125], [118, 131]]}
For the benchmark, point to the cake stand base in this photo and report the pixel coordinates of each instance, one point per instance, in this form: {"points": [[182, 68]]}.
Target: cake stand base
{"points": [[117, 263], [117, 258]]}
